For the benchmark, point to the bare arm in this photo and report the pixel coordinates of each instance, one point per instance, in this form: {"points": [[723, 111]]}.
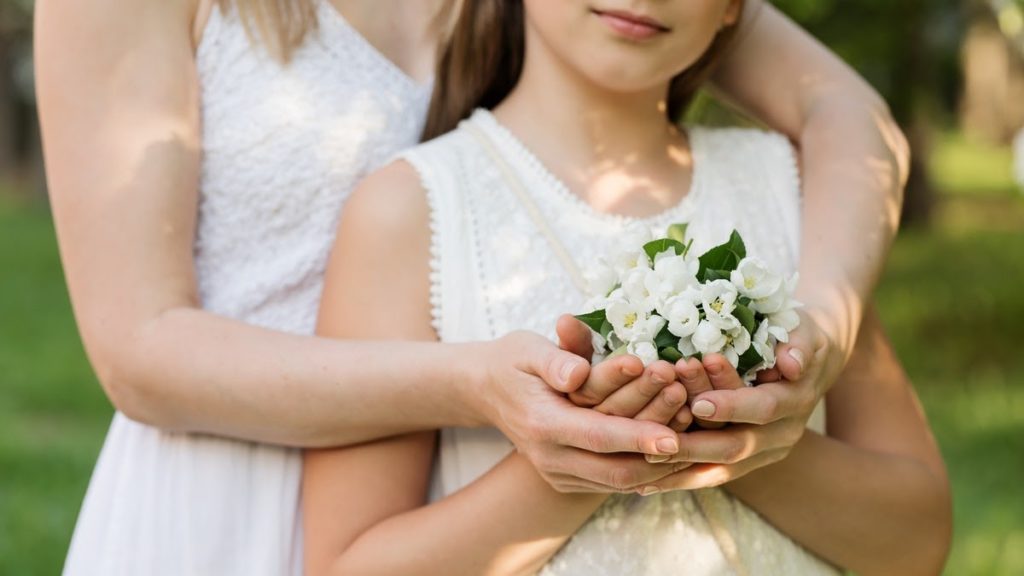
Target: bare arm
{"points": [[873, 496], [853, 156], [118, 96], [854, 163], [359, 501]]}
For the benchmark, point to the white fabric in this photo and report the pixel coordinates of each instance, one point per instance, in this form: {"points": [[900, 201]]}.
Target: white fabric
{"points": [[493, 272], [282, 148]]}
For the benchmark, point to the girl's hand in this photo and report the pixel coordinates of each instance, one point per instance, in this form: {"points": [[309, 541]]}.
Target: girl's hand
{"points": [[768, 419], [575, 449], [806, 368]]}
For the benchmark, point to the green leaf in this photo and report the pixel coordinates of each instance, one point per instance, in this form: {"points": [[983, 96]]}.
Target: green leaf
{"points": [[606, 329], [670, 354], [656, 247], [748, 360], [724, 257], [595, 320], [746, 317], [665, 338], [712, 275], [677, 232]]}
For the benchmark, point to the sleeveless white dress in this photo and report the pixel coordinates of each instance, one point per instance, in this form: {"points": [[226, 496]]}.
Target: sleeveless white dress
{"points": [[282, 148], [493, 271]]}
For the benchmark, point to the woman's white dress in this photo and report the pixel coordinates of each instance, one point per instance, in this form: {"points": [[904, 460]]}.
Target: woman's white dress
{"points": [[282, 148], [493, 271]]}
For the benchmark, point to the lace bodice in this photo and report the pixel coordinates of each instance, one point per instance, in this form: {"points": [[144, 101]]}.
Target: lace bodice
{"points": [[494, 272], [282, 148]]}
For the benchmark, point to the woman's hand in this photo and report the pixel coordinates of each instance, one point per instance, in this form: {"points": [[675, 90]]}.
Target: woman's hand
{"points": [[577, 449]]}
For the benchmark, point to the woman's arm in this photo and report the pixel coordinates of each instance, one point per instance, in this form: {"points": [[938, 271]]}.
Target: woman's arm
{"points": [[873, 496], [359, 503], [119, 106], [854, 163]]}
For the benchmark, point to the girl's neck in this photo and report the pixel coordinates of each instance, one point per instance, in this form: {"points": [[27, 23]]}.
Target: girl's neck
{"points": [[616, 151]]}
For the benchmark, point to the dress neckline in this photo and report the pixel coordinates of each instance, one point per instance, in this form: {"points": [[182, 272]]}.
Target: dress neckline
{"points": [[333, 21], [523, 157]]}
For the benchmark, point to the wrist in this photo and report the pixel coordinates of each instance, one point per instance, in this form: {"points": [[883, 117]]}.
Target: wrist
{"points": [[469, 380]]}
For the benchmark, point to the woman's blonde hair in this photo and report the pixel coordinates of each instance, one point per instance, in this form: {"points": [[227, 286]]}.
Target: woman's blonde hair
{"points": [[282, 25]]}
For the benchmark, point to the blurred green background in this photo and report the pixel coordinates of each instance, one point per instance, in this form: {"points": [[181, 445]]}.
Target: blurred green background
{"points": [[952, 297]]}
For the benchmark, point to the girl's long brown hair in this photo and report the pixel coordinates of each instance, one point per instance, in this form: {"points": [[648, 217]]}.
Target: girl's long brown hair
{"points": [[483, 59]]}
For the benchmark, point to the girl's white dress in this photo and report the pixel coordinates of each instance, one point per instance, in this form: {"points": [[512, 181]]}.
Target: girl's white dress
{"points": [[282, 148], [494, 271]]}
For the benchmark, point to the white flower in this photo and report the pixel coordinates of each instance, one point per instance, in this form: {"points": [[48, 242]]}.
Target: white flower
{"points": [[635, 288], [737, 341], [764, 344], [598, 342], [686, 347], [681, 313], [644, 350], [708, 338], [671, 275], [778, 299], [754, 280], [718, 299], [601, 279], [783, 322], [629, 252], [633, 322]]}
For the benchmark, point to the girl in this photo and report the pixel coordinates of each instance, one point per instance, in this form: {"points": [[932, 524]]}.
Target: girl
{"points": [[197, 154], [485, 229]]}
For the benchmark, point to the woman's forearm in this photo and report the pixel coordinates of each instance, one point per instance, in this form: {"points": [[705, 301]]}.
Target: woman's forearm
{"points": [[866, 511], [508, 522], [854, 159], [194, 371]]}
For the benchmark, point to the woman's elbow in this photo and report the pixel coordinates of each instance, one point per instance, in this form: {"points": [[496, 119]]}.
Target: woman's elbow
{"points": [[128, 375]]}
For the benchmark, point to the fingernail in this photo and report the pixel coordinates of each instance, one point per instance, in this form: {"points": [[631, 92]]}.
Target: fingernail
{"points": [[797, 357], [714, 369], [657, 379], [703, 408], [566, 374], [648, 490], [667, 445], [657, 459]]}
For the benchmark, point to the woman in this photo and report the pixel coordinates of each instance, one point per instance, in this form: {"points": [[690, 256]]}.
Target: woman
{"points": [[491, 225], [195, 179]]}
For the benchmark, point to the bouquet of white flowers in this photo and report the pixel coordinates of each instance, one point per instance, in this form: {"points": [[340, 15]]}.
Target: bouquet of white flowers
{"points": [[654, 299]]}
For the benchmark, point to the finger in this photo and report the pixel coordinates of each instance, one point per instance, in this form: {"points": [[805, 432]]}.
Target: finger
{"points": [[721, 374], [629, 400], [701, 476], [695, 378], [691, 373], [608, 473], [730, 445], [756, 405], [574, 336], [664, 407], [682, 420], [563, 371], [606, 378], [595, 432], [769, 375]]}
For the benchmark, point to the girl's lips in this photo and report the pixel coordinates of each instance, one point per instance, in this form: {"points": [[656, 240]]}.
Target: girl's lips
{"points": [[631, 26]]}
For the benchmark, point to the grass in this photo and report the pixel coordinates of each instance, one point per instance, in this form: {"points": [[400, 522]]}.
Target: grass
{"points": [[951, 299]]}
